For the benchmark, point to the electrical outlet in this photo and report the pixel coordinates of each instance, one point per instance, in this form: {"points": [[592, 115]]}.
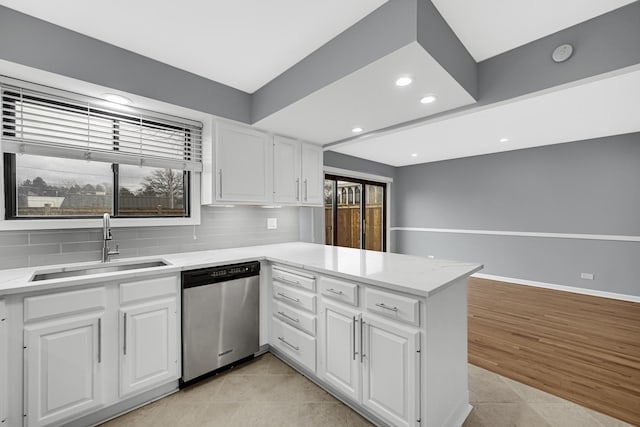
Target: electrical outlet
{"points": [[586, 276], [272, 223]]}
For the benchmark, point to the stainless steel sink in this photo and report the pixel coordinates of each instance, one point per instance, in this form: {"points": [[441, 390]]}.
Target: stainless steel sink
{"points": [[97, 269]]}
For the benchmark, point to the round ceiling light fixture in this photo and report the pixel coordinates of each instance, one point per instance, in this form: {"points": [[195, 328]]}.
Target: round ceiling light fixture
{"points": [[404, 81], [414, 154], [504, 139], [356, 130], [562, 53], [116, 99], [428, 99]]}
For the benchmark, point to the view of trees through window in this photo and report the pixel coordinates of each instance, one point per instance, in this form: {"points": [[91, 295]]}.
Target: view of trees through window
{"points": [[57, 187]]}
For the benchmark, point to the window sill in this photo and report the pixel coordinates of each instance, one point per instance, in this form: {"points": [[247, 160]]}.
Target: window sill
{"points": [[66, 224]]}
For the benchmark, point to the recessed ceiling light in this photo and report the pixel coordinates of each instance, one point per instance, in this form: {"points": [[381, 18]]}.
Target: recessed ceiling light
{"points": [[414, 155], [504, 139], [428, 99], [404, 81], [356, 130], [117, 99]]}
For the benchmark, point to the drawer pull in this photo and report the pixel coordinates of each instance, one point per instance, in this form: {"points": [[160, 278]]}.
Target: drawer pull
{"points": [[288, 297], [386, 307], [283, 314], [333, 291], [284, 279], [296, 348]]}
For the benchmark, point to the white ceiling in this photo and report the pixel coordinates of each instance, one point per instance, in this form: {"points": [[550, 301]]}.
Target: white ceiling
{"points": [[490, 27], [597, 108], [241, 43], [369, 99]]}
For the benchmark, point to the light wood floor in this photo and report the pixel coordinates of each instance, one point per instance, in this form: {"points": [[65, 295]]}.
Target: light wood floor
{"points": [[582, 348]]}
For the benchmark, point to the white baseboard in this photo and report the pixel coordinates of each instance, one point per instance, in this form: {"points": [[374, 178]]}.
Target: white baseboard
{"points": [[591, 292]]}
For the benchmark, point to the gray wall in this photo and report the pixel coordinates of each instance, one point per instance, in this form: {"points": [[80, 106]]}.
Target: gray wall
{"points": [[220, 228], [36, 43], [584, 187]]}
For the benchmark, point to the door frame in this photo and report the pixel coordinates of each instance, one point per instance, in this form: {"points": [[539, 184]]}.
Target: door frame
{"points": [[363, 179]]}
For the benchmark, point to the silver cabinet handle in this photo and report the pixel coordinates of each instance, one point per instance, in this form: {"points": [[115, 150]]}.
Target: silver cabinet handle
{"points": [[333, 291], [361, 340], [288, 297], [297, 188], [386, 307], [99, 339], [296, 348], [306, 191], [283, 314], [284, 279], [124, 345], [220, 175], [354, 338]]}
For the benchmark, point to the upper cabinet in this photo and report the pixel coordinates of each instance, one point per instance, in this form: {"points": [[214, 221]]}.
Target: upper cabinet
{"points": [[312, 177], [286, 170], [242, 159], [256, 168]]}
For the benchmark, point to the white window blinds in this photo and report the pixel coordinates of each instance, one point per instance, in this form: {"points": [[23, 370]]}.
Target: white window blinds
{"points": [[51, 124]]}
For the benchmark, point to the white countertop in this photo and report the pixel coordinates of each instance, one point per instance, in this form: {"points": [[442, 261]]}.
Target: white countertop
{"points": [[415, 275]]}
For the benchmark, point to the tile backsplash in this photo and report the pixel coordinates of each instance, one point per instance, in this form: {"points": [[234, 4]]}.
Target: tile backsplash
{"points": [[220, 228]]}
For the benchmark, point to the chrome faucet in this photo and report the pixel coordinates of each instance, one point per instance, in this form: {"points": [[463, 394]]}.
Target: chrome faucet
{"points": [[106, 236]]}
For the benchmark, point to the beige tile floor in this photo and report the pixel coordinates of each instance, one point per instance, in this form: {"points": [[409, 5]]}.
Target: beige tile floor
{"points": [[266, 392]]}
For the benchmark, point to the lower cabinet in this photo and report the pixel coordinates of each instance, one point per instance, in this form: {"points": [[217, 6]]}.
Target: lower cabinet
{"points": [[339, 343], [79, 343], [374, 361], [63, 375], [390, 377], [149, 345]]}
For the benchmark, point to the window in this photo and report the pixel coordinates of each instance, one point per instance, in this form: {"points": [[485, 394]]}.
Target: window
{"points": [[70, 158]]}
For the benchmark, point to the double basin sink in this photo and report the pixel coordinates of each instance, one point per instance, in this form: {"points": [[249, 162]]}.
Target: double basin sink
{"points": [[96, 269]]}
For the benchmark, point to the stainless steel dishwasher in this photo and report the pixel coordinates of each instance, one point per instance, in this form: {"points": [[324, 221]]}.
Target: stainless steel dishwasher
{"points": [[220, 317]]}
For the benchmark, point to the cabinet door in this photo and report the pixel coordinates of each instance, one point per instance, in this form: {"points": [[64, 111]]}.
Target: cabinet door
{"points": [[391, 373], [286, 170], [340, 363], [242, 159], [149, 345], [63, 372], [312, 175], [3, 363]]}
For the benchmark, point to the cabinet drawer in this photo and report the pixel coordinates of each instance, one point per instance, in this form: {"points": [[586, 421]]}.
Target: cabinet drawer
{"points": [[148, 289], [397, 307], [296, 318], [296, 344], [293, 279], [340, 290], [64, 303], [295, 297]]}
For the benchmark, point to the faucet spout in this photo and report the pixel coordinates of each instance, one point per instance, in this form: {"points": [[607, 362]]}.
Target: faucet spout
{"points": [[106, 236]]}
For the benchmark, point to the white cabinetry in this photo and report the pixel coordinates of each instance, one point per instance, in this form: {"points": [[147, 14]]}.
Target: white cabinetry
{"points": [[72, 340], [242, 165], [4, 374], [286, 170], [312, 175], [63, 372], [297, 172], [374, 361], [391, 373], [149, 347], [293, 319], [339, 343]]}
